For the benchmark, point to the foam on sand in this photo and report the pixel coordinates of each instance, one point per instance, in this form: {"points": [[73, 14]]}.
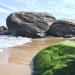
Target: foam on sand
{"points": [[11, 41]]}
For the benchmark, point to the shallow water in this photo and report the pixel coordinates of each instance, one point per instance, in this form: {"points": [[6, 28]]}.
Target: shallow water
{"points": [[10, 41]]}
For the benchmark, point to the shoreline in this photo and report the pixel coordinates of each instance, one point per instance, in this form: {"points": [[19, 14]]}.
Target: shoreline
{"points": [[20, 57]]}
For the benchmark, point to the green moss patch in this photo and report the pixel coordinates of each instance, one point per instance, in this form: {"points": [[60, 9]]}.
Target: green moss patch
{"points": [[56, 59]]}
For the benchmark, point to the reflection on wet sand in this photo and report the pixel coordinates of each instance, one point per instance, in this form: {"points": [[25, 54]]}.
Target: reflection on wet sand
{"points": [[17, 60]]}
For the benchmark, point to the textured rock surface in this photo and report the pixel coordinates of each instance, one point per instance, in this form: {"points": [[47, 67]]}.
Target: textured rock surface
{"points": [[29, 24], [62, 28], [56, 60]]}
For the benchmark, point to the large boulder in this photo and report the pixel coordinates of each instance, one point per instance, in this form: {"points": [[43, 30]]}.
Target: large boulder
{"points": [[57, 59], [29, 24], [62, 28]]}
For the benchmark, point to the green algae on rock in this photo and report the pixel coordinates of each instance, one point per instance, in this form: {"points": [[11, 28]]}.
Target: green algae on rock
{"points": [[56, 59]]}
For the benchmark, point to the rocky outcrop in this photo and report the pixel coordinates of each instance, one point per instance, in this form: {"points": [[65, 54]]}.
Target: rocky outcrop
{"points": [[62, 28], [29, 24], [57, 59]]}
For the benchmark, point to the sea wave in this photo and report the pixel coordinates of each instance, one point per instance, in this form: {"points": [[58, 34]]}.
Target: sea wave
{"points": [[11, 41]]}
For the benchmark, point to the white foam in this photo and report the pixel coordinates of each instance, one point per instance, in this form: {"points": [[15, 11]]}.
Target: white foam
{"points": [[1, 50], [10, 41]]}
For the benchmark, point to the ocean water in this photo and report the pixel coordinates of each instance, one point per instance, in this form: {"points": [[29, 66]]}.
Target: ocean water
{"points": [[11, 41]]}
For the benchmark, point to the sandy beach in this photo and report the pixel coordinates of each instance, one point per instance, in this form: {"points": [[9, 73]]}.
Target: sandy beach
{"points": [[17, 60]]}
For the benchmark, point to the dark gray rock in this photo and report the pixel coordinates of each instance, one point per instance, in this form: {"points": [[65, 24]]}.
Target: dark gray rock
{"points": [[62, 28], [29, 24], [3, 30]]}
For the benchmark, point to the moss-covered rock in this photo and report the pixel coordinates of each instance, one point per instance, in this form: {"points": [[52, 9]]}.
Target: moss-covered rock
{"points": [[56, 60]]}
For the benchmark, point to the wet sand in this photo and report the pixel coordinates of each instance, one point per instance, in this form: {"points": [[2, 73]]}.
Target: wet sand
{"points": [[17, 60]]}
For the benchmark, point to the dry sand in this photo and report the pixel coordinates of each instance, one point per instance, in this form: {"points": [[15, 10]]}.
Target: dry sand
{"points": [[17, 60]]}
